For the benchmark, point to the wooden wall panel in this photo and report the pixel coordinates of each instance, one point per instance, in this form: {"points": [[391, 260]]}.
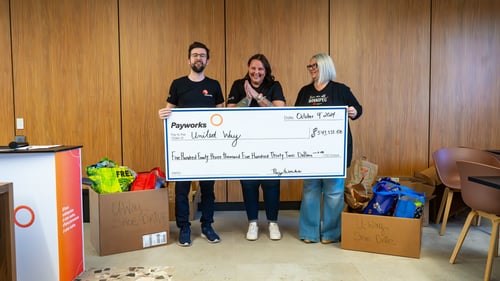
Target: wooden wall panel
{"points": [[465, 68], [288, 33], [70, 56], [154, 41], [66, 81], [381, 50], [7, 129]]}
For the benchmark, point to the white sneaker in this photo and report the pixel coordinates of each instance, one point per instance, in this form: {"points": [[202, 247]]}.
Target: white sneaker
{"points": [[274, 231], [253, 231]]}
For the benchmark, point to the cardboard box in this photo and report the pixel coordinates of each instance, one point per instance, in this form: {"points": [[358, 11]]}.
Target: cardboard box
{"points": [[381, 234], [127, 221], [418, 185], [429, 176], [194, 198]]}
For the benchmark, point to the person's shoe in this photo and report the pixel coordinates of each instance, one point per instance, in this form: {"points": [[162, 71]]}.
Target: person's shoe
{"points": [[328, 241], [274, 231], [307, 241], [208, 233], [253, 231], [185, 236]]}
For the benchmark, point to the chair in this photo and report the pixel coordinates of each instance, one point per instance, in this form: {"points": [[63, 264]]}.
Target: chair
{"points": [[484, 202], [446, 168]]}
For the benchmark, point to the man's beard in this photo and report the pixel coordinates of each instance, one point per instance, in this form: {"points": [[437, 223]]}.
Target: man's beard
{"points": [[198, 69]]}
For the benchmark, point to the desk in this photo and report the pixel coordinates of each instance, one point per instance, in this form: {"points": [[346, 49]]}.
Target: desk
{"points": [[491, 181]]}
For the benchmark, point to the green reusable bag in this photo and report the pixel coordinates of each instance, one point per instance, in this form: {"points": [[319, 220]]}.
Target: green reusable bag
{"points": [[108, 177]]}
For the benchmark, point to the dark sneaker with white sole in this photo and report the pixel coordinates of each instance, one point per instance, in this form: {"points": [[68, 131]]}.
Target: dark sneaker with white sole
{"points": [[185, 236], [208, 233]]}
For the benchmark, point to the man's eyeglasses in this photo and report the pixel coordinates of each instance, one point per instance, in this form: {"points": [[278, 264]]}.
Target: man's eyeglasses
{"points": [[195, 55], [312, 66]]}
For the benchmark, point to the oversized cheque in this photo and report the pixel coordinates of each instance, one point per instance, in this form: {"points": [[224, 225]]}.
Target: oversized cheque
{"points": [[256, 143]]}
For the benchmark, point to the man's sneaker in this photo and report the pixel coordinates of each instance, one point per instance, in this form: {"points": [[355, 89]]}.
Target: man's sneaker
{"points": [[253, 231], [185, 236], [274, 231], [208, 233]]}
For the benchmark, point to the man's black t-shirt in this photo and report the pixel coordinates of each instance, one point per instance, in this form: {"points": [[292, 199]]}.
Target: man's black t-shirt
{"points": [[185, 93]]}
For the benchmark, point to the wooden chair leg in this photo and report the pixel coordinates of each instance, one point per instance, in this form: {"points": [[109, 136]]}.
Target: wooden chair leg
{"points": [[446, 212], [477, 221], [497, 243], [441, 206], [463, 233], [493, 248]]}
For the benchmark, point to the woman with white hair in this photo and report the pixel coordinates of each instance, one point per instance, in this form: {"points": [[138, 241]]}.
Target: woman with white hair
{"points": [[323, 91]]}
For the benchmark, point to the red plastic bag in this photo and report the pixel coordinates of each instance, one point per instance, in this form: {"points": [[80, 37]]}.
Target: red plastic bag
{"points": [[148, 180]]}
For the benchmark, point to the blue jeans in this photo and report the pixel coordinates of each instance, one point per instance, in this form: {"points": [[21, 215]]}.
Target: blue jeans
{"points": [[271, 194], [182, 189], [332, 193]]}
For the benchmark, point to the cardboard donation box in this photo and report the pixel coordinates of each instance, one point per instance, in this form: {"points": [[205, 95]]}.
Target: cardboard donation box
{"points": [[194, 198], [381, 234], [127, 221]]}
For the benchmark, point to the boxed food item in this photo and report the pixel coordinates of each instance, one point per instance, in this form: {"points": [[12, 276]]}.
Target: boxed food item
{"points": [[127, 221], [381, 234]]}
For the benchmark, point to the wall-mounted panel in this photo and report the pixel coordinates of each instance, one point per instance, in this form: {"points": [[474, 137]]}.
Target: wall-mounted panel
{"points": [[465, 68], [66, 74], [287, 33], [381, 49], [7, 130], [154, 41]]}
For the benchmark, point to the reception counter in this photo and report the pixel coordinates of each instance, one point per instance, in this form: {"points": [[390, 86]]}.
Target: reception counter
{"points": [[47, 217]]}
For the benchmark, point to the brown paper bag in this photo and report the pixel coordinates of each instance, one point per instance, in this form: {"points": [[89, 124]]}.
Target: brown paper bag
{"points": [[358, 189], [357, 197], [363, 171]]}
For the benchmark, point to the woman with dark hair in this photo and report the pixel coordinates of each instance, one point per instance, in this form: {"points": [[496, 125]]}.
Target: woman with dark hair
{"points": [[258, 88]]}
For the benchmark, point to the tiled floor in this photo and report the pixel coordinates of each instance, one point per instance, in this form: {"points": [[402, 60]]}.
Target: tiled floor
{"points": [[290, 259]]}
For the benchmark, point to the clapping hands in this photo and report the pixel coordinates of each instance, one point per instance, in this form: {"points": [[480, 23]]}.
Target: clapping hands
{"points": [[251, 93]]}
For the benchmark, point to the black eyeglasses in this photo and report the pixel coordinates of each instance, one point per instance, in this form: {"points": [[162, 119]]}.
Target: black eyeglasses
{"points": [[195, 55], [312, 66]]}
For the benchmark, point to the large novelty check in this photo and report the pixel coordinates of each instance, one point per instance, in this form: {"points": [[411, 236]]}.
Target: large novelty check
{"points": [[256, 143]]}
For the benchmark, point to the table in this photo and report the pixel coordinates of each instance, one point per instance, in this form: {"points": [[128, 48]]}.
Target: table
{"points": [[491, 181]]}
